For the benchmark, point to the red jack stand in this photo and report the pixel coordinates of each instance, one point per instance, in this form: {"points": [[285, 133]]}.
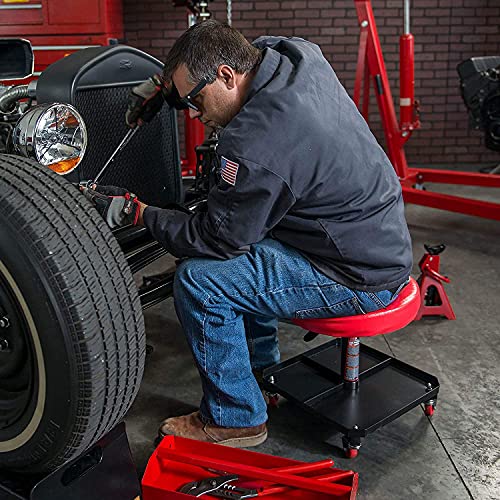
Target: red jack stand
{"points": [[435, 302]]}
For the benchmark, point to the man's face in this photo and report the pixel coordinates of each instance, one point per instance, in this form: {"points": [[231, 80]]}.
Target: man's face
{"points": [[218, 102]]}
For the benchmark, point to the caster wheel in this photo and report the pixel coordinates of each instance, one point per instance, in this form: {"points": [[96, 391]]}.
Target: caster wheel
{"points": [[429, 410], [271, 399], [351, 452]]}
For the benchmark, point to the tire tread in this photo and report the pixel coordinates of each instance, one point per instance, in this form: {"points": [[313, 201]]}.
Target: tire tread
{"points": [[94, 290]]}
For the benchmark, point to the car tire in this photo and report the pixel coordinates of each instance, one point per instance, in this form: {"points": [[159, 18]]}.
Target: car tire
{"points": [[72, 337]]}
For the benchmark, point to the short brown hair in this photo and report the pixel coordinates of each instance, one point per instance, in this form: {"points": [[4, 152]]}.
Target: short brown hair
{"points": [[207, 45]]}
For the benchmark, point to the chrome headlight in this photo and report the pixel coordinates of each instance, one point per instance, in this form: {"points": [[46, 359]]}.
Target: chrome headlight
{"points": [[52, 134]]}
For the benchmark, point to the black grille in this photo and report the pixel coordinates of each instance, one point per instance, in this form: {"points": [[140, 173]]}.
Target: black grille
{"points": [[149, 165]]}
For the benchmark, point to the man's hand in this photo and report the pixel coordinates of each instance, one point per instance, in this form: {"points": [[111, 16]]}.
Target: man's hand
{"points": [[144, 101], [117, 206]]}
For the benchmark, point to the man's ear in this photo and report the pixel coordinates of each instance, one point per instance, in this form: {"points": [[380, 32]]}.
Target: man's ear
{"points": [[227, 75]]}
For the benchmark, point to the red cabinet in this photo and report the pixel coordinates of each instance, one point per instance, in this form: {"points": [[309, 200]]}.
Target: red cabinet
{"points": [[21, 12], [58, 27]]}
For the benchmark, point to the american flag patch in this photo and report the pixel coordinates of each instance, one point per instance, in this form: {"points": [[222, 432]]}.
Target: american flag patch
{"points": [[229, 170]]}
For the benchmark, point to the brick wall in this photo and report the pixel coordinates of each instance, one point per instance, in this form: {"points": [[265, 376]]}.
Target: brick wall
{"points": [[446, 32]]}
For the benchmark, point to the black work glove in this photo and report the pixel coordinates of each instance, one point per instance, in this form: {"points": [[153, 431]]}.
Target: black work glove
{"points": [[117, 206], [144, 101]]}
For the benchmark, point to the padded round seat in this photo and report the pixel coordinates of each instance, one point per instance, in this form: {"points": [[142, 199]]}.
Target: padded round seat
{"points": [[352, 386], [395, 316]]}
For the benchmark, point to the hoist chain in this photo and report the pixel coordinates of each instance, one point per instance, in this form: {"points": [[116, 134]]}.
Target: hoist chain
{"points": [[229, 12]]}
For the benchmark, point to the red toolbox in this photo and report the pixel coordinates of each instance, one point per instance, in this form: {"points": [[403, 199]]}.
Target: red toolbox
{"points": [[180, 461]]}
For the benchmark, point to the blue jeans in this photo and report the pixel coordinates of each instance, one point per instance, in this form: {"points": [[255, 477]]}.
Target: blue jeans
{"points": [[229, 309]]}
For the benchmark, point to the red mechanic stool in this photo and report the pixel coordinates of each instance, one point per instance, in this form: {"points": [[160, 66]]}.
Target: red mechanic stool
{"points": [[354, 387]]}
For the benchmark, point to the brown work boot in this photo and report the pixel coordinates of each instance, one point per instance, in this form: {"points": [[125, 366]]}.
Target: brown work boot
{"points": [[190, 426]]}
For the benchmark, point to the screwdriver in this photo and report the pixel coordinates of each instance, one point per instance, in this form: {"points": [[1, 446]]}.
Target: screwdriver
{"points": [[122, 144]]}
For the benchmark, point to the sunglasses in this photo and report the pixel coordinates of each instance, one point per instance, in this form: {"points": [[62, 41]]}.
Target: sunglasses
{"points": [[186, 102]]}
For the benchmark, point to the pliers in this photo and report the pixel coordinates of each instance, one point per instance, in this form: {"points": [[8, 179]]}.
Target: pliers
{"points": [[218, 486]]}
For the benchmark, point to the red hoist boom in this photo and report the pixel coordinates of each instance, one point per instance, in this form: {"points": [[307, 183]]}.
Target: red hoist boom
{"points": [[371, 68]]}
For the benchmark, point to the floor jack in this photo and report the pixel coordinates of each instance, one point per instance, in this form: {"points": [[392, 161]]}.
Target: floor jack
{"points": [[435, 301], [106, 471]]}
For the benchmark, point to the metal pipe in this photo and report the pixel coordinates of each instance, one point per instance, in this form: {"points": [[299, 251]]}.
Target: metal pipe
{"points": [[9, 98], [18, 7], [350, 362], [406, 27], [229, 4]]}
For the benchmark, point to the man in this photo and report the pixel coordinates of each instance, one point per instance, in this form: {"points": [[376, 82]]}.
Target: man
{"points": [[306, 218]]}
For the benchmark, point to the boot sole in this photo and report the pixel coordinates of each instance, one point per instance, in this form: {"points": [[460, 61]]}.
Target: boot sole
{"points": [[245, 442]]}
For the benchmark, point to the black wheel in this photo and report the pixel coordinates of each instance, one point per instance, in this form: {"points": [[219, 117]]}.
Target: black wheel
{"points": [[351, 446], [351, 452], [72, 343], [430, 407]]}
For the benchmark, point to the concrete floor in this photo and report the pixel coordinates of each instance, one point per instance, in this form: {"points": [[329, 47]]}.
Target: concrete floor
{"points": [[453, 455]]}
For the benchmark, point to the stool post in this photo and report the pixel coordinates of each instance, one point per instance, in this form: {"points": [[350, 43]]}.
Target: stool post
{"points": [[350, 363]]}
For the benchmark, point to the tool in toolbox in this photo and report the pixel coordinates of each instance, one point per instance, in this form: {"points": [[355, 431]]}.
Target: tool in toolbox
{"points": [[218, 487]]}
